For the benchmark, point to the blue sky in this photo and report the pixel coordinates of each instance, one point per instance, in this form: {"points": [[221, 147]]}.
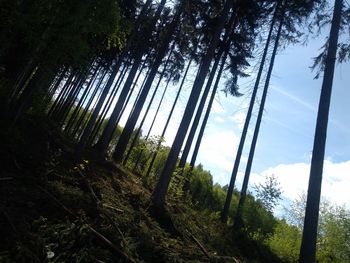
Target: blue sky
{"points": [[286, 134]]}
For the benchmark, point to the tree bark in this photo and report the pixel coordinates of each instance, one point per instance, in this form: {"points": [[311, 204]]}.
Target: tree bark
{"points": [[238, 216], [107, 134], [308, 244], [204, 123], [148, 108], [107, 106], [160, 191], [88, 129], [227, 38], [61, 94], [152, 124], [82, 99], [224, 214], [130, 124], [169, 117]]}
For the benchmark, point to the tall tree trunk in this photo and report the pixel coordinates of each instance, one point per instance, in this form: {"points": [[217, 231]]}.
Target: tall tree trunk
{"points": [[130, 124], [107, 105], [204, 123], [130, 95], [169, 117], [61, 94], [150, 128], [82, 99], [88, 101], [139, 129], [67, 92], [308, 244], [227, 38], [107, 134], [71, 100], [54, 86], [160, 191], [26, 96], [224, 214], [32, 63], [87, 108], [88, 129], [238, 216]]}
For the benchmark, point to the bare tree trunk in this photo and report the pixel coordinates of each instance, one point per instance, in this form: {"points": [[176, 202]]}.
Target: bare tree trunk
{"points": [[107, 105], [308, 244], [78, 108], [131, 92], [71, 100], [55, 85], [224, 214], [238, 216], [151, 127], [168, 119], [107, 134], [87, 108], [204, 123], [88, 129], [147, 110], [61, 94], [130, 124], [160, 191], [65, 96], [227, 38]]}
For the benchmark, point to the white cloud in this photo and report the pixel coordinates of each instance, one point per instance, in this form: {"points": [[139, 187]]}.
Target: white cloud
{"points": [[217, 107], [217, 150], [239, 118], [219, 119], [294, 180]]}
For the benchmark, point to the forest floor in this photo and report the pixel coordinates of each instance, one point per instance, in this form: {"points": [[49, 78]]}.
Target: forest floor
{"points": [[52, 210]]}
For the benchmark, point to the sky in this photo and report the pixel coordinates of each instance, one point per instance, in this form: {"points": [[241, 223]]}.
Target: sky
{"points": [[286, 135]]}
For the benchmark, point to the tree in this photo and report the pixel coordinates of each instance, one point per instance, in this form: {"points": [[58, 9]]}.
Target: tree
{"points": [[224, 214], [154, 155], [269, 193], [308, 245], [130, 125], [333, 232], [104, 140], [159, 194], [46, 36]]}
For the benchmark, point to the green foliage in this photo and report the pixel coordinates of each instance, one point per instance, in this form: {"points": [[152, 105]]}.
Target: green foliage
{"points": [[53, 33], [259, 223], [285, 241], [269, 193], [176, 185], [333, 233]]}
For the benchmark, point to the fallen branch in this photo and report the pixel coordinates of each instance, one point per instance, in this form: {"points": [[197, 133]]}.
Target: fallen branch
{"points": [[113, 208], [94, 231], [98, 202], [94, 196], [6, 178], [16, 164], [230, 258], [110, 244], [199, 244], [9, 220]]}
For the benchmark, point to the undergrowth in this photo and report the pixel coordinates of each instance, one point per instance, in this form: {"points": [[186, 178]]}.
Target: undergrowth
{"points": [[52, 210]]}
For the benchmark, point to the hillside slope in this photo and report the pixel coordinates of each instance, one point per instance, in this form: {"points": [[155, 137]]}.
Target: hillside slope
{"points": [[52, 210]]}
